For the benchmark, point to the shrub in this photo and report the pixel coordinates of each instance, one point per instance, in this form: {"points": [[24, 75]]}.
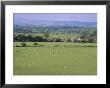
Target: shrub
{"points": [[17, 46], [23, 44], [35, 44]]}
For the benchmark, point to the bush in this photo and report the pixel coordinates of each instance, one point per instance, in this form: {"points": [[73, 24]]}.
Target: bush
{"points": [[23, 44], [35, 44], [84, 41], [57, 39], [17, 46]]}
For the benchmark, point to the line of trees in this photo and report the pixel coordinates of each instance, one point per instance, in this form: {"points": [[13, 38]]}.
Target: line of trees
{"points": [[86, 37], [31, 38], [27, 38]]}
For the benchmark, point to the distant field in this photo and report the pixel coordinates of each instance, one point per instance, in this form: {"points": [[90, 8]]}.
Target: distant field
{"points": [[65, 35], [57, 35], [56, 58]]}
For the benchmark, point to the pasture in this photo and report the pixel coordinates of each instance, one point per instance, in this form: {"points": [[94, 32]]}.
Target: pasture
{"points": [[53, 35], [55, 58]]}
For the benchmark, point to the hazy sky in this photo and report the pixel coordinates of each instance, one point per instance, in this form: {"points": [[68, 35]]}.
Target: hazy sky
{"points": [[84, 17]]}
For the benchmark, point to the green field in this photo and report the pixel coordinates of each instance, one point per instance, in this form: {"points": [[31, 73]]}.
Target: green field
{"points": [[55, 58], [57, 35]]}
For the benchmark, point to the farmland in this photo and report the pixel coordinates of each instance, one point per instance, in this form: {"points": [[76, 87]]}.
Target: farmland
{"points": [[55, 44], [55, 58]]}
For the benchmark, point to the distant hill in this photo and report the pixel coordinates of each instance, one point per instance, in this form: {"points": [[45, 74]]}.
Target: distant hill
{"points": [[55, 23], [52, 26]]}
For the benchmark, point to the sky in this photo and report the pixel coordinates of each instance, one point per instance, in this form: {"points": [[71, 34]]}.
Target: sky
{"points": [[83, 17]]}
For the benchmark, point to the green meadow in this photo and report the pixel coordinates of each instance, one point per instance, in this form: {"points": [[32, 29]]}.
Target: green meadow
{"points": [[55, 58]]}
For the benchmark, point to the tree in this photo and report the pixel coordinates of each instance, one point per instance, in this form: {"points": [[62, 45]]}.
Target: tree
{"points": [[91, 40], [57, 39], [29, 38], [89, 36], [20, 38], [38, 39]]}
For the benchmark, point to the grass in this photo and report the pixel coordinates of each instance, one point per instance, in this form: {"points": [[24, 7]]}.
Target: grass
{"points": [[65, 36], [56, 58]]}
